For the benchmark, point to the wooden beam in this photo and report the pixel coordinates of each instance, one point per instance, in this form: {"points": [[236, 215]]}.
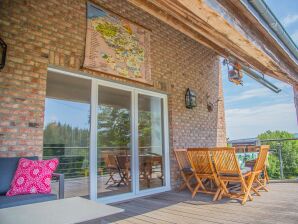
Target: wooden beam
{"points": [[202, 23]]}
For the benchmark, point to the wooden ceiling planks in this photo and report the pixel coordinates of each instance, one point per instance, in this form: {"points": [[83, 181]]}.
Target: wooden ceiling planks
{"points": [[209, 27]]}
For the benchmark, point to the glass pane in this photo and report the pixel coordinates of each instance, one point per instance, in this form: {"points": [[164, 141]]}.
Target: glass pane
{"points": [[67, 129], [150, 142], [114, 141]]}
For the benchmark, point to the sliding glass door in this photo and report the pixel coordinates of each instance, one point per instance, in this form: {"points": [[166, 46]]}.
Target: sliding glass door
{"points": [[150, 142], [131, 147], [111, 139], [114, 149]]}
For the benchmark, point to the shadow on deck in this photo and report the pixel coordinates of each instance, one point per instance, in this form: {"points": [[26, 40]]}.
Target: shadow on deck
{"points": [[279, 205]]}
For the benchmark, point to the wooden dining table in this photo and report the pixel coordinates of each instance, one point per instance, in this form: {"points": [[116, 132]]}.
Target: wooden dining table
{"points": [[146, 163]]}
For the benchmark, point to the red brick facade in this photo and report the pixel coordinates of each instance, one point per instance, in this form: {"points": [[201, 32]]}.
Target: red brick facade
{"points": [[41, 33]]}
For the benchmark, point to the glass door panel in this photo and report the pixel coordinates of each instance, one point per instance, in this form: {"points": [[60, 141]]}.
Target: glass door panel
{"points": [[151, 143], [67, 130], [114, 150]]}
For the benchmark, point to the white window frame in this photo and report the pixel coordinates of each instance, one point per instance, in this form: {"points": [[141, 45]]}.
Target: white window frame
{"points": [[135, 91]]}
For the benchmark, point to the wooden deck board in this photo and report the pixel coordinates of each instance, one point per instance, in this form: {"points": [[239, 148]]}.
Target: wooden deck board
{"points": [[279, 205]]}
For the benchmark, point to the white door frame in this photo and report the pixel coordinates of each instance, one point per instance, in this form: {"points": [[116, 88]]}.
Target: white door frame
{"points": [[95, 83]]}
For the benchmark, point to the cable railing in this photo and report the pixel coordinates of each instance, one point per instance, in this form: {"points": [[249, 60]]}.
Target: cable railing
{"points": [[74, 161]]}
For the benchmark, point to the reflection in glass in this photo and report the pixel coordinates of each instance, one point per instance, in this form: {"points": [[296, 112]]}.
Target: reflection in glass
{"points": [[66, 130], [150, 142], [113, 141]]}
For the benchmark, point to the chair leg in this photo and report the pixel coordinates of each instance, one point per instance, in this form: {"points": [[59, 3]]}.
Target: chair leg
{"points": [[111, 173], [186, 183], [247, 188], [217, 184], [182, 186], [199, 184], [261, 185], [256, 191], [122, 178], [195, 191], [223, 190], [217, 194]]}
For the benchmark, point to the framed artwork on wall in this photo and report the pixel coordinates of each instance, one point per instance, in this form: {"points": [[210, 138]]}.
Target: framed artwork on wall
{"points": [[116, 46]]}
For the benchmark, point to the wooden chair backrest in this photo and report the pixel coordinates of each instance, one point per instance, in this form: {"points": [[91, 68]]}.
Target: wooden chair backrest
{"points": [[225, 161], [260, 162], [110, 161], [200, 160], [123, 161], [182, 159]]}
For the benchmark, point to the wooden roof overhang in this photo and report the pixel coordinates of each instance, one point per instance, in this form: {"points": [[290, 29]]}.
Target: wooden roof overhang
{"points": [[228, 28]]}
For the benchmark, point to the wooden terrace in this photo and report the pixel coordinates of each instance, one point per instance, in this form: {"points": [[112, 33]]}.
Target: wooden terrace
{"points": [[279, 205]]}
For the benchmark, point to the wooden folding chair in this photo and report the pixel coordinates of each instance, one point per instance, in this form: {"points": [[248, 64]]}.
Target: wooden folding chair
{"points": [[255, 182], [263, 177], [112, 167], [123, 162], [203, 168], [228, 170], [185, 169]]}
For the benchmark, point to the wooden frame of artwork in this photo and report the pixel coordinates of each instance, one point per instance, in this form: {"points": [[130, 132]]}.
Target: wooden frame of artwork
{"points": [[117, 46]]}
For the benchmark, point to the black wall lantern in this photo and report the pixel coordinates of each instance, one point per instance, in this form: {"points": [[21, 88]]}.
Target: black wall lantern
{"points": [[3, 48], [190, 99]]}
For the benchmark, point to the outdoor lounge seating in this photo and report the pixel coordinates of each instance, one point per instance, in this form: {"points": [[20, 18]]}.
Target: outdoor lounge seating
{"points": [[8, 167]]}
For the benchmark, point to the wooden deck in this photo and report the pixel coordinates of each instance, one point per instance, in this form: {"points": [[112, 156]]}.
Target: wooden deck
{"points": [[279, 205]]}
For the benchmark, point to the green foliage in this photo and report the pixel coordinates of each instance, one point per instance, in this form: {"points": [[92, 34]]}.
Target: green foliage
{"points": [[64, 134], [145, 129], [70, 144], [289, 151], [114, 127], [273, 170]]}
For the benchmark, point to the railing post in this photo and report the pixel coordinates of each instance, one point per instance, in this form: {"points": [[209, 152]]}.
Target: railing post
{"points": [[280, 161]]}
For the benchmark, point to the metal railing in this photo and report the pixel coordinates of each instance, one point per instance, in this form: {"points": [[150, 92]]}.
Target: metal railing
{"points": [[74, 161]]}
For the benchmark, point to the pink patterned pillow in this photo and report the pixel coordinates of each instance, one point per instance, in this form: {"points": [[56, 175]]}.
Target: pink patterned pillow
{"points": [[33, 177]]}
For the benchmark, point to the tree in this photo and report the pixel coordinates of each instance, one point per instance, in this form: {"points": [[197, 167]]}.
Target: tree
{"points": [[289, 150], [114, 127]]}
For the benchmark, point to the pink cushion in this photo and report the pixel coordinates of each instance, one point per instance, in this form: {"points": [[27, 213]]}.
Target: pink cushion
{"points": [[33, 177]]}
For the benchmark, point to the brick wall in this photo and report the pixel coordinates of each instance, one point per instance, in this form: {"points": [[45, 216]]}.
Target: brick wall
{"points": [[39, 33]]}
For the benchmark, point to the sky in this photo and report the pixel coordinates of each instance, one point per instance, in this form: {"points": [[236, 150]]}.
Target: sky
{"points": [[252, 108], [67, 112]]}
